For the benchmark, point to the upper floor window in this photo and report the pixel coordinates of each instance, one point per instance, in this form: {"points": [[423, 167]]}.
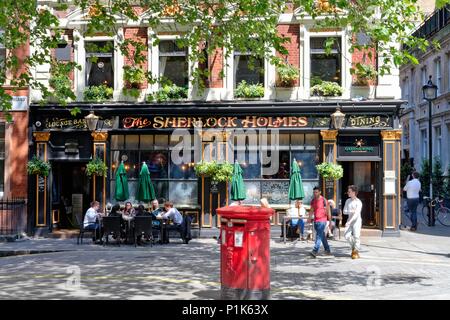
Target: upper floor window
{"points": [[424, 142], [437, 72], [325, 66], [173, 63], [412, 87], [424, 75], [248, 68], [99, 63], [448, 72], [405, 90], [438, 142]]}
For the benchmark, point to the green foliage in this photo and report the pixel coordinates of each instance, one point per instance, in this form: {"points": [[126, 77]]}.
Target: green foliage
{"points": [[405, 171], [168, 93], [438, 178], [328, 170], [287, 74], [133, 76], [447, 184], [132, 92], [364, 73], [425, 177], [327, 89], [220, 172], [245, 90], [96, 167], [98, 93], [39, 167]]}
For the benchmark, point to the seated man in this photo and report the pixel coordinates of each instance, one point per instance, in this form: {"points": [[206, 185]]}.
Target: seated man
{"points": [[91, 219], [173, 214], [156, 211], [296, 216]]}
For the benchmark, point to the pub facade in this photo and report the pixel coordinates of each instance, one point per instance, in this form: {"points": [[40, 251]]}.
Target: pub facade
{"points": [[264, 135]]}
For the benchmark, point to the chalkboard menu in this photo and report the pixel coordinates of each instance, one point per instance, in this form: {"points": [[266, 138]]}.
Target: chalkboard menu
{"points": [[276, 192]]}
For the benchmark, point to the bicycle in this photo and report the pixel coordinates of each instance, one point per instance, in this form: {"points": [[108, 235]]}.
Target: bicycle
{"points": [[441, 213]]}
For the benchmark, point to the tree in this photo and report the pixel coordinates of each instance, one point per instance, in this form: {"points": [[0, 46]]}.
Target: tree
{"points": [[425, 177], [438, 178], [242, 24]]}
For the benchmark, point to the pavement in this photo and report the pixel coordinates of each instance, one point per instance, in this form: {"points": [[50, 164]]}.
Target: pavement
{"points": [[415, 265]]}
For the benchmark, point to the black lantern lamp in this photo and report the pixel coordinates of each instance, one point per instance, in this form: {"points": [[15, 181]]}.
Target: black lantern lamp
{"points": [[338, 119], [429, 90], [91, 121]]}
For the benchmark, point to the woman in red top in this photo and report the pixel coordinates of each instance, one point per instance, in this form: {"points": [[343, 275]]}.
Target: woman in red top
{"points": [[320, 209]]}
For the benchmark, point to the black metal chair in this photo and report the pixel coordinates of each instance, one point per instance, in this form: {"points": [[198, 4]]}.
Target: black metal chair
{"points": [[184, 229], [83, 230], [111, 225], [143, 227]]}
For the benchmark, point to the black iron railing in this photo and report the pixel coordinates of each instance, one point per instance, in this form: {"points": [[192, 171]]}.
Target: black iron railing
{"points": [[434, 23], [12, 216]]}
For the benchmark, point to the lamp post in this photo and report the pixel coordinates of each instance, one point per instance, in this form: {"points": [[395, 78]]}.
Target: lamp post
{"points": [[91, 121], [429, 91]]}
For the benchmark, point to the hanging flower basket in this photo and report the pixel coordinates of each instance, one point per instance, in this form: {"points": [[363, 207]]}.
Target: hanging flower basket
{"points": [[96, 167], [218, 172], [40, 167], [330, 171]]}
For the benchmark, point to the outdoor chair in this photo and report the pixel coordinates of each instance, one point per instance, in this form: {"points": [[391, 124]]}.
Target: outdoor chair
{"points": [[143, 227], [184, 230], [83, 230], [111, 225]]}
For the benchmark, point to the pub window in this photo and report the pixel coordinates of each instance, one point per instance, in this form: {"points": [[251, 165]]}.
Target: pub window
{"points": [[325, 66], [173, 63], [99, 63], [2, 158], [248, 68]]}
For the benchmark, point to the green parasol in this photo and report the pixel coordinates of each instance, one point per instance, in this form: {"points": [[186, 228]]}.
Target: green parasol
{"points": [[122, 193], [145, 191], [237, 184], [295, 183]]}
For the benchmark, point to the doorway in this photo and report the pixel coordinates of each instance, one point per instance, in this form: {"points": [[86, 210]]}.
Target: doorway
{"points": [[365, 176], [71, 193]]}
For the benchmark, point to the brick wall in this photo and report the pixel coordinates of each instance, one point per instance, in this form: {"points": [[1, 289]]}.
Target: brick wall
{"points": [[139, 34], [362, 56], [291, 31], [215, 62]]}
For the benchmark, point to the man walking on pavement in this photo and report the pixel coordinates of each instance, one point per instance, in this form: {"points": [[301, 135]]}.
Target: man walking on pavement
{"points": [[320, 209], [412, 189], [352, 208]]}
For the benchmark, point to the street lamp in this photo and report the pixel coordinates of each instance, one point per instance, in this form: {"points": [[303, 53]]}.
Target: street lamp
{"points": [[429, 94], [91, 121], [337, 119]]}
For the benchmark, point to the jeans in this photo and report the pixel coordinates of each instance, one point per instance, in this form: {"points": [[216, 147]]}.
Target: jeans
{"points": [[412, 206], [299, 224], [94, 226], [320, 236]]}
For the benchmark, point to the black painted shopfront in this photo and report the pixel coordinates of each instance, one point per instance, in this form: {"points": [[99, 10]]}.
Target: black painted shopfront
{"points": [[264, 137]]}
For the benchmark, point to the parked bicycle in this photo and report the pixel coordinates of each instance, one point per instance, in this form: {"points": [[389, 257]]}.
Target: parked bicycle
{"points": [[441, 212]]}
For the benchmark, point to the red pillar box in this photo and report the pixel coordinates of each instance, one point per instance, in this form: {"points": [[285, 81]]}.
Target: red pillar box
{"points": [[245, 252]]}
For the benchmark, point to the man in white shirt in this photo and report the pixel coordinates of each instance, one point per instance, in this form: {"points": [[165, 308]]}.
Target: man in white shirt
{"points": [[412, 189], [172, 213], [352, 208], [90, 219]]}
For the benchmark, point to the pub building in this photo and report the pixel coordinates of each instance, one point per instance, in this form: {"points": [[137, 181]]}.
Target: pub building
{"points": [[362, 136]]}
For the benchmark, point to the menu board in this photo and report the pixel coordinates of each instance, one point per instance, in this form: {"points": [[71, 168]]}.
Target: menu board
{"points": [[276, 192]]}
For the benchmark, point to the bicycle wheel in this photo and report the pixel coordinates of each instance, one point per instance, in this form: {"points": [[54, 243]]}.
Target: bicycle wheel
{"points": [[443, 215]]}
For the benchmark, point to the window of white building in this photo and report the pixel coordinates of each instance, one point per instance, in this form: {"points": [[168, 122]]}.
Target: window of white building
{"points": [[248, 68], [405, 90], [173, 63], [2, 51], [438, 141], [437, 72], [448, 72], [412, 87], [424, 75], [99, 63], [325, 66], [424, 143]]}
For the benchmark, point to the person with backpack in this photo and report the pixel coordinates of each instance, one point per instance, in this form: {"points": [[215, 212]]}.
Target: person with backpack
{"points": [[320, 208]]}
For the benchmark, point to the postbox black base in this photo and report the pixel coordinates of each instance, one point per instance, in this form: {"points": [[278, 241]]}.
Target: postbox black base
{"points": [[244, 294]]}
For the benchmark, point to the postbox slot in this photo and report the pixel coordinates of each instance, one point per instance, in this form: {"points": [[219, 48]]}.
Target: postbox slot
{"points": [[237, 221]]}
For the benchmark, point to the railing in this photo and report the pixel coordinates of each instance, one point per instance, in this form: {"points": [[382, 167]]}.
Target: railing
{"points": [[434, 23], [12, 216]]}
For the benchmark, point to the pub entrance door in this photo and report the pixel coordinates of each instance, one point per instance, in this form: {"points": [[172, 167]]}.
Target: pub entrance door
{"points": [[213, 195], [365, 176], [71, 193]]}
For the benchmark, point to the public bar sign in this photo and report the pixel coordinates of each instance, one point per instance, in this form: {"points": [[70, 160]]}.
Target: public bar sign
{"points": [[164, 122]]}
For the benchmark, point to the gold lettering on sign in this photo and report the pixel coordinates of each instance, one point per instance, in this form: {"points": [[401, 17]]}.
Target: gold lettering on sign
{"points": [[368, 121], [140, 122]]}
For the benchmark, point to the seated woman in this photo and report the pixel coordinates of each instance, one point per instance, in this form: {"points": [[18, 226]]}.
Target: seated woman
{"points": [[115, 211]]}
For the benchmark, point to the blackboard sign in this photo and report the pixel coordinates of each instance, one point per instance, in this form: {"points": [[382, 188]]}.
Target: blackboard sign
{"points": [[214, 188]]}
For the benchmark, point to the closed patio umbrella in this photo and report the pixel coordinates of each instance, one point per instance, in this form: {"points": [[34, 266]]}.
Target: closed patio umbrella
{"points": [[237, 184], [145, 191], [295, 183], [122, 192]]}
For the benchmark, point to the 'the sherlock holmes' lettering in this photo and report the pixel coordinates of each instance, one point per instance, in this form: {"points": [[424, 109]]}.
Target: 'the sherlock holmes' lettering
{"points": [[160, 122]]}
